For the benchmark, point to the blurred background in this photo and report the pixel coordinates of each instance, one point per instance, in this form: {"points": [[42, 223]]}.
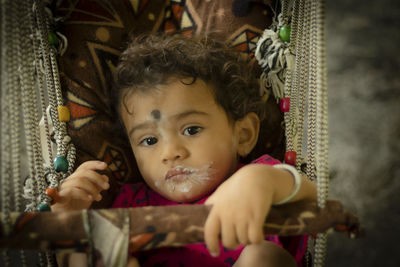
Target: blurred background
{"points": [[363, 39]]}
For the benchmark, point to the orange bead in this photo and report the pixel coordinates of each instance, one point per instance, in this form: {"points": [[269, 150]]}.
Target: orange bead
{"points": [[53, 193], [63, 113]]}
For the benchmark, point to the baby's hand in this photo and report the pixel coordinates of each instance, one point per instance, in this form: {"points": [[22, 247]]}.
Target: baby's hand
{"points": [[82, 187], [240, 206]]}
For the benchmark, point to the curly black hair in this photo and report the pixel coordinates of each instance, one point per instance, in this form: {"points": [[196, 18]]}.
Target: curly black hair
{"points": [[153, 59]]}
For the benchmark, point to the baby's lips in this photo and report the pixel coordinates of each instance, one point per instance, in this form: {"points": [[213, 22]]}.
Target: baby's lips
{"points": [[177, 171]]}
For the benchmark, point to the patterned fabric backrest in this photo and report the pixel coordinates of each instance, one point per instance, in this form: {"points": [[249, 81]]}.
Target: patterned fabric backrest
{"points": [[97, 32]]}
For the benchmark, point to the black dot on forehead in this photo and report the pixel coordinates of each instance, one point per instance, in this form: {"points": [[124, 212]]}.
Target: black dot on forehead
{"points": [[156, 114]]}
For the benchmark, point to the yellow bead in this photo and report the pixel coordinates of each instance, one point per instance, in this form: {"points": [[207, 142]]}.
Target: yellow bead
{"points": [[63, 113]]}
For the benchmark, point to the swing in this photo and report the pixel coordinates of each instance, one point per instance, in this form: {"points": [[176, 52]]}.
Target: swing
{"points": [[290, 53]]}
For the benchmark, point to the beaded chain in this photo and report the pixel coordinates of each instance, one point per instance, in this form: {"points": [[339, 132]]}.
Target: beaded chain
{"points": [[29, 72], [47, 70], [299, 85]]}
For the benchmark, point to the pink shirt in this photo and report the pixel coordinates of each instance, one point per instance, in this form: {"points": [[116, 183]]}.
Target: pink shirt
{"points": [[140, 195]]}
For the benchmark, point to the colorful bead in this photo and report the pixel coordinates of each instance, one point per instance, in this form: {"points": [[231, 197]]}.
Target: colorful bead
{"points": [[290, 158], [285, 104], [60, 164], [284, 33], [63, 113], [53, 40], [43, 207], [53, 193]]}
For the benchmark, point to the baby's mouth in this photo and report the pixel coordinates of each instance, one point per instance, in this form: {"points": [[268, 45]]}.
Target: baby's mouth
{"points": [[178, 174], [183, 178]]}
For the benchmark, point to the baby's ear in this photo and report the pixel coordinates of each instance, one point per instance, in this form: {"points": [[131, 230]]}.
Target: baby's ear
{"points": [[247, 130]]}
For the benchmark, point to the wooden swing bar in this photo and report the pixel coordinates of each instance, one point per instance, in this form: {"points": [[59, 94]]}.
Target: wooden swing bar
{"points": [[152, 227]]}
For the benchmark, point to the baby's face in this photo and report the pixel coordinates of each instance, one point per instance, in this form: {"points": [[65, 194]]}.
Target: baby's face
{"points": [[183, 142]]}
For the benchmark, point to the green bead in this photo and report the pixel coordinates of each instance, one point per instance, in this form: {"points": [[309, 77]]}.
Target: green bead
{"points": [[284, 33], [53, 40], [43, 207], [60, 164]]}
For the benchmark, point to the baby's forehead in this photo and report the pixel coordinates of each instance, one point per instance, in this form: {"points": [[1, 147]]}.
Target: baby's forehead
{"points": [[176, 94], [156, 114], [155, 89]]}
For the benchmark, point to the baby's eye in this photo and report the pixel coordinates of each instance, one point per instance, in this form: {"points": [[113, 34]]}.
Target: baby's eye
{"points": [[192, 130], [149, 141]]}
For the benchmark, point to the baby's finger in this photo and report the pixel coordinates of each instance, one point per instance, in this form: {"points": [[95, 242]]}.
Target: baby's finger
{"points": [[255, 232], [100, 180], [96, 178], [92, 165], [74, 193], [229, 239], [84, 184], [212, 230], [242, 233]]}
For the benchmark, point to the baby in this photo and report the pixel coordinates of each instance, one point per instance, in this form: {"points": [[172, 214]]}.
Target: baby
{"points": [[191, 110]]}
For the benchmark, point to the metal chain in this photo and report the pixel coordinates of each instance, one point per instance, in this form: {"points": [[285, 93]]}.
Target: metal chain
{"points": [[15, 113], [301, 78], [283, 20], [27, 56], [40, 73], [312, 97], [296, 18], [45, 76], [41, 33], [30, 116], [293, 89], [322, 163], [64, 146], [318, 139], [307, 40], [12, 68], [285, 9], [25, 67], [6, 83], [293, 111], [302, 67], [322, 119]]}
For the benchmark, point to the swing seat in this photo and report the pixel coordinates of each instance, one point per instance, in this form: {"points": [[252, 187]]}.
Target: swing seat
{"points": [[96, 32]]}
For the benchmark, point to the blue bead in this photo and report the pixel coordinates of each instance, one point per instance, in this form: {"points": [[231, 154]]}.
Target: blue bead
{"points": [[61, 164], [43, 207]]}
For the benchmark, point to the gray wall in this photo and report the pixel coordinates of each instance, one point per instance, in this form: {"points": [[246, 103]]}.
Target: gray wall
{"points": [[363, 77]]}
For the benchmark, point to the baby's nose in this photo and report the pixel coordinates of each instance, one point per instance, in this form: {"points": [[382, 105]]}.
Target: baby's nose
{"points": [[174, 151]]}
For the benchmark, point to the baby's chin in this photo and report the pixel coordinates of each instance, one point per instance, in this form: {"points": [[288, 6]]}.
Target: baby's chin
{"points": [[184, 197]]}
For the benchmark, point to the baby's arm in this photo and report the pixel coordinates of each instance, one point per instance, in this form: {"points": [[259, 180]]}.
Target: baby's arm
{"points": [[77, 192], [82, 187], [241, 204]]}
